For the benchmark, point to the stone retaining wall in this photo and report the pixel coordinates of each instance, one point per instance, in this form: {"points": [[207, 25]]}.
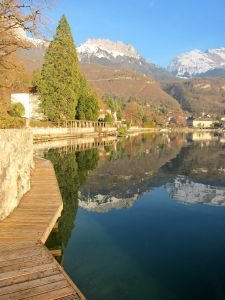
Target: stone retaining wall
{"points": [[16, 161], [70, 132]]}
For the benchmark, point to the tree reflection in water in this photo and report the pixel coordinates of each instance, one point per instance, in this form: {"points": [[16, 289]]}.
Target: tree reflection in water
{"points": [[71, 171]]}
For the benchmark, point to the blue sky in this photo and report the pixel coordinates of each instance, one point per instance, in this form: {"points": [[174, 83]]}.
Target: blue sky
{"points": [[159, 29]]}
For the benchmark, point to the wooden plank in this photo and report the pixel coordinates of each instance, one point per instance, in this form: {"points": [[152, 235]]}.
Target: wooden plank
{"points": [[17, 247], [31, 284], [25, 264], [13, 253], [51, 224], [56, 252], [28, 277], [36, 291], [52, 295], [33, 256], [22, 226], [25, 271], [20, 255]]}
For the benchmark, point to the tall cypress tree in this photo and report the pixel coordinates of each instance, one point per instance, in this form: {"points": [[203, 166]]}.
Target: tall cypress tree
{"points": [[58, 84]]}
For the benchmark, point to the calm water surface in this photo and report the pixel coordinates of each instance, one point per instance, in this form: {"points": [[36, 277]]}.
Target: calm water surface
{"points": [[144, 218]]}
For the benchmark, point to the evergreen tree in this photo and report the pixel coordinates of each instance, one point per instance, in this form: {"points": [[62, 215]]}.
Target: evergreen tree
{"points": [[58, 84], [88, 106]]}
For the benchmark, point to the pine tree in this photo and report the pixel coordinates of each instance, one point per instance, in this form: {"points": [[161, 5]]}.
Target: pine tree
{"points": [[88, 106], [58, 84]]}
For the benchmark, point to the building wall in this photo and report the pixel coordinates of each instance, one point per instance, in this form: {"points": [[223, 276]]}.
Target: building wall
{"points": [[16, 161], [31, 104]]}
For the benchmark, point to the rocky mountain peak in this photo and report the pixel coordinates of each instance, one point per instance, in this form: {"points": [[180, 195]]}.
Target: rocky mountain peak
{"points": [[114, 48], [197, 63], [21, 34]]}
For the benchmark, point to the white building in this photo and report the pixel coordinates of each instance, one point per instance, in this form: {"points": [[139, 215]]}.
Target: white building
{"points": [[200, 123], [31, 104]]}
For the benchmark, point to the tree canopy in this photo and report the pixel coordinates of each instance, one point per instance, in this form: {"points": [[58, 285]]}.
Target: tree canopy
{"points": [[59, 81], [115, 104], [88, 106]]}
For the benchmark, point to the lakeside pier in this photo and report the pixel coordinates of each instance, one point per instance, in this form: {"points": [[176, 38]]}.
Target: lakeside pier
{"points": [[27, 268]]}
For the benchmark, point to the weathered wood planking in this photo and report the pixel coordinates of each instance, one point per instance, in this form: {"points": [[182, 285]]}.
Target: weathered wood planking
{"points": [[27, 269]]}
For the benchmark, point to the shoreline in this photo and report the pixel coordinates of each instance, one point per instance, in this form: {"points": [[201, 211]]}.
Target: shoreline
{"points": [[50, 134]]}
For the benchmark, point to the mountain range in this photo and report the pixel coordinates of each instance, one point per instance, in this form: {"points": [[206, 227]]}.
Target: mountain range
{"points": [[117, 54], [117, 68], [192, 64], [196, 63]]}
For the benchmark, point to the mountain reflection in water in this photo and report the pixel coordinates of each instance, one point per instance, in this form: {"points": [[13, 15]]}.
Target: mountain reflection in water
{"points": [[140, 165], [118, 178], [190, 192]]}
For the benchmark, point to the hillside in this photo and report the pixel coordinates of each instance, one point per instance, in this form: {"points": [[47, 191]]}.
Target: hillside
{"points": [[198, 95], [126, 84]]}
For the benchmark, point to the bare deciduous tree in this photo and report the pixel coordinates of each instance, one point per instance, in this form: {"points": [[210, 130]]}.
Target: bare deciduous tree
{"points": [[17, 16]]}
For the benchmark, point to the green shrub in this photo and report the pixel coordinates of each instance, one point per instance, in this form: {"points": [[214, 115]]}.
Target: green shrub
{"points": [[122, 131], [17, 110], [108, 118], [108, 148], [8, 122], [128, 123]]}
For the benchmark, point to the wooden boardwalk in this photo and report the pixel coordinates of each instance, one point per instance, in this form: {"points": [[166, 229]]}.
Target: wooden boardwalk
{"points": [[27, 269]]}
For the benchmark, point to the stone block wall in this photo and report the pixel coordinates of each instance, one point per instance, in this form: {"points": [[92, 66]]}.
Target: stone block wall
{"points": [[57, 132], [16, 161]]}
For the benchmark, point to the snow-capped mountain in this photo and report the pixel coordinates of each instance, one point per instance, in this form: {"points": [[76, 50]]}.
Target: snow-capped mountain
{"points": [[104, 48], [197, 63], [105, 203], [117, 54], [31, 41], [187, 191]]}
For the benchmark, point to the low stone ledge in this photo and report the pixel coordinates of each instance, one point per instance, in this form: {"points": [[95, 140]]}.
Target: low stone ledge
{"points": [[16, 161]]}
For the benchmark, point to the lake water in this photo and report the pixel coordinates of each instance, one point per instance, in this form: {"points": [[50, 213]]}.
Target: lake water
{"points": [[144, 217]]}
